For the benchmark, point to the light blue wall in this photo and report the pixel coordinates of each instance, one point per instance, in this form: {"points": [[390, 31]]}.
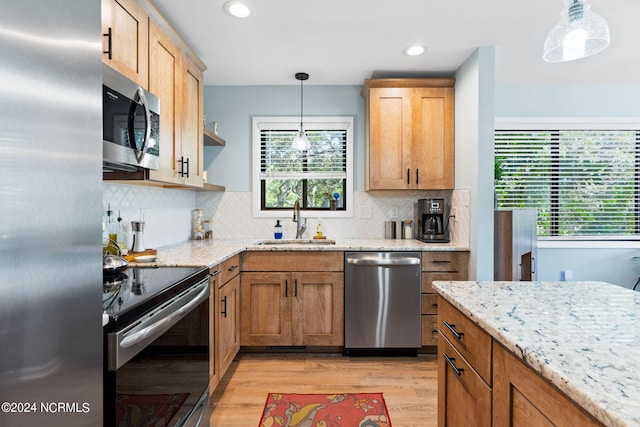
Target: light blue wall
{"points": [[613, 265], [234, 106], [563, 101], [475, 82]]}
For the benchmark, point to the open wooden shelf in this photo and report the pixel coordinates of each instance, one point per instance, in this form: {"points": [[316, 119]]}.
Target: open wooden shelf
{"points": [[211, 139]]}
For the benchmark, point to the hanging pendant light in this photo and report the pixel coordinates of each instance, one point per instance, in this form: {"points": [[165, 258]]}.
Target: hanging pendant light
{"points": [[580, 33], [301, 141]]}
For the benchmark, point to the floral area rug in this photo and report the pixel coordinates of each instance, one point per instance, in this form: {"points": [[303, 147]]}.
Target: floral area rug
{"points": [[325, 410], [147, 409]]}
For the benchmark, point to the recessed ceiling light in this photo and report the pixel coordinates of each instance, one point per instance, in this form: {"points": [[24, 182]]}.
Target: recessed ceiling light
{"points": [[237, 9], [413, 50]]}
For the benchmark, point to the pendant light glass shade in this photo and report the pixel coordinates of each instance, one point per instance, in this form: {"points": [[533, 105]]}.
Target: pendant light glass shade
{"points": [[301, 142], [580, 33]]}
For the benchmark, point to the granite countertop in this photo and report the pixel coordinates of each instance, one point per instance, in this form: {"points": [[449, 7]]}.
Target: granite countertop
{"points": [[584, 337], [196, 253]]}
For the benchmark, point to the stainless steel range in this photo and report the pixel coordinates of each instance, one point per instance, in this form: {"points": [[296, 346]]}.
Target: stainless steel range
{"points": [[156, 347]]}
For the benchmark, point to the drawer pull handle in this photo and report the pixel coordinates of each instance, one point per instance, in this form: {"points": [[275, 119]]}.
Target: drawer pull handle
{"points": [[451, 362], [441, 261], [452, 328], [233, 267]]}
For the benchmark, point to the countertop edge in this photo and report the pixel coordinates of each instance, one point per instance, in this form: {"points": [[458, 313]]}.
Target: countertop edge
{"points": [[209, 253]]}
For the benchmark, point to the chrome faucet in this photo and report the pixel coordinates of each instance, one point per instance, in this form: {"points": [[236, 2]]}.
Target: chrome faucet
{"points": [[300, 226]]}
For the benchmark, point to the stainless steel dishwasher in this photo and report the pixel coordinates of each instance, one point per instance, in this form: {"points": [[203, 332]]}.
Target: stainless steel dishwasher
{"points": [[382, 303]]}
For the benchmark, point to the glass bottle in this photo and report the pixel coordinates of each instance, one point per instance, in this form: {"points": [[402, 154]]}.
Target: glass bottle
{"points": [[111, 233]]}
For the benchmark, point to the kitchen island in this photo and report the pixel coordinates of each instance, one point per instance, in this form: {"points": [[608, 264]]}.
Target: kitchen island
{"points": [[581, 338]]}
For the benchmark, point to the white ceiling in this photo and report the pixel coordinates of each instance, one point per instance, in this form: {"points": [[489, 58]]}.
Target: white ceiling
{"points": [[343, 42]]}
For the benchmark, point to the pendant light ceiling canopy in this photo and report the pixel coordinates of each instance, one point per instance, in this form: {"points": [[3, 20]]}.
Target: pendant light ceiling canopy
{"points": [[301, 141], [580, 33]]}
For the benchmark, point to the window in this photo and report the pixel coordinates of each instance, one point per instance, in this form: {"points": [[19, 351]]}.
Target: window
{"points": [[284, 175], [583, 182]]}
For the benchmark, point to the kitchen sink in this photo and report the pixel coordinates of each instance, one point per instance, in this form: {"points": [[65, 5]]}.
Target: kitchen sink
{"points": [[297, 242]]}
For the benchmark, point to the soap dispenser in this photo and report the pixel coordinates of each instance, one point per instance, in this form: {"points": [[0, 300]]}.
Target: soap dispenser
{"points": [[277, 230]]}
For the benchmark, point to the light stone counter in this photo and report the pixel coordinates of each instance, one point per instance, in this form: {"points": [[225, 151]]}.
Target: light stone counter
{"points": [[584, 337], [198, 253]]}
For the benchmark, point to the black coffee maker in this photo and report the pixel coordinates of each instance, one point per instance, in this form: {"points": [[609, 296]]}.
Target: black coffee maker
{"points": [[433, 221]]}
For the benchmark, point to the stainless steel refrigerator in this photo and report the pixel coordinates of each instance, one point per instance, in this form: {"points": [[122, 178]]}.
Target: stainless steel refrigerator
{"points": [[50, 213]]}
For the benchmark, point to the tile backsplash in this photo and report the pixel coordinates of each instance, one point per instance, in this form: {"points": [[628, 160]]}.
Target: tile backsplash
{"points": [[167, 214]]}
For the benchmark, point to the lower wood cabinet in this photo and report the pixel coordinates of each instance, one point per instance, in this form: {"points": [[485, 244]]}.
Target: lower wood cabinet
{"points": [[444, 266], [224, 341], [285, 308], [228, 323], [466, 398], [464, 370], [521, 397]]}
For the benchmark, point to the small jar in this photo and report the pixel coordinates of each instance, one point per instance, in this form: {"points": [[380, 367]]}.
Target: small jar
{"points": [[407, 229], [197, 229], [208, 229]]}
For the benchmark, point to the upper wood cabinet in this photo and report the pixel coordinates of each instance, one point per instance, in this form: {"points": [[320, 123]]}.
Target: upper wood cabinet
{"points": [[409, 128], [125, 46], [178, 84]]}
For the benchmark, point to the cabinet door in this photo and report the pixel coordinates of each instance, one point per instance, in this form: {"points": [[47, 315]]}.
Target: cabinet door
{"points": [[318, 309], [192, 127], [129, 28], [432, 149], [522, 398], [464, 399], [165, 60], [265, 301], [389, 139], [213, 330], [229, 327]]}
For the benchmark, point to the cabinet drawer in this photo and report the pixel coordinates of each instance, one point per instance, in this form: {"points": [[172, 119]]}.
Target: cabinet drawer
{"points": [[430, 304], [442, 261], [229, 269], [429, 330], [470, 341], [293, 261], [464, 399], [429, 277]]}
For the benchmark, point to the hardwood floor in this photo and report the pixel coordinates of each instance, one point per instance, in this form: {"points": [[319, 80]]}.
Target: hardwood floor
{"points": [[408, 384]]}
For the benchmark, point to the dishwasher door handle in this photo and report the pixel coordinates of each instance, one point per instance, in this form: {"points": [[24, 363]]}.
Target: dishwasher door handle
{"points": [[383, 262]]}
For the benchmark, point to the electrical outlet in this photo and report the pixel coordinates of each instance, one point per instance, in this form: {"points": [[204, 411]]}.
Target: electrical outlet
{"points": [[365, 212], [393, 212]]}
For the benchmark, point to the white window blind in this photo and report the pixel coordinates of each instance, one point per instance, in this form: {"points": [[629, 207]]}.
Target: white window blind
{"points": [[582, 182], [326, 157]]}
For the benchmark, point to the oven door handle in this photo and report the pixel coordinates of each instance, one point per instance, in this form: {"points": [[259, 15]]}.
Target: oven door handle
{"points": [[161, 326], [122, 346]]}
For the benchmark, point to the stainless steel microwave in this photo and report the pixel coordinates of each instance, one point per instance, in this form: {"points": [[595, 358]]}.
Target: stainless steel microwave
{"points": [[130, 124]]}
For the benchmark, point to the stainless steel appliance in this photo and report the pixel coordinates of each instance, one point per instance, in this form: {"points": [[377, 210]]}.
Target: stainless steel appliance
{"points": [[382, 296], [433, 220], [130, 124], [51, 199], [156, 342]]}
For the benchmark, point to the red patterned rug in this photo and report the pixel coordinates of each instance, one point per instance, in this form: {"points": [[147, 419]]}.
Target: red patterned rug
{"points": [[147, 409], [325, 410]]}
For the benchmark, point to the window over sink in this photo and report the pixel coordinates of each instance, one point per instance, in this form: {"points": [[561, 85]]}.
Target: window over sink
{"points": [[583, 177], [283, 175]]}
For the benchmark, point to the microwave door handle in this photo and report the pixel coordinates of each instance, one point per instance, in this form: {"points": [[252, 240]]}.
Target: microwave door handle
{"points": [[147, 124]]}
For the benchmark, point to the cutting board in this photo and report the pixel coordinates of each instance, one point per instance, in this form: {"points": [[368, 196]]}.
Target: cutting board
{"points": [[131, 255]]}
